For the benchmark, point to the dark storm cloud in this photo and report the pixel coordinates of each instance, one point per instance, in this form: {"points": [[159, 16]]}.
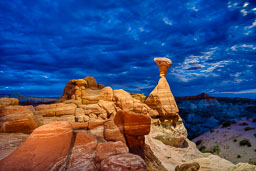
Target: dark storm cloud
{"points": [[43, 44]]}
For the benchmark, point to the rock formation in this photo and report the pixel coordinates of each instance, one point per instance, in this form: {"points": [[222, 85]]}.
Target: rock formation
{"points": [[8, 102], [162, 100], [56, 146], [14, 119], [93, 127], [163, 64]]}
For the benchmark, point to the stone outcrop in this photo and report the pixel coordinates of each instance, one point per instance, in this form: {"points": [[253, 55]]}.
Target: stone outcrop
{"points": [[123, 162], [45, 149], [56, 146], [14, 119], [133, 126], [8, 102], [83, 153], [162, 100], [141, 97]]}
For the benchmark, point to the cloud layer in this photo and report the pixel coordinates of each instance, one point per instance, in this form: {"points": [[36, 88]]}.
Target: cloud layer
{"points": [[43, 44]]}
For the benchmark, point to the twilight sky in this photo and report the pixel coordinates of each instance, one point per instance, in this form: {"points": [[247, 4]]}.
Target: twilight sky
{"points": [[46, 43]]}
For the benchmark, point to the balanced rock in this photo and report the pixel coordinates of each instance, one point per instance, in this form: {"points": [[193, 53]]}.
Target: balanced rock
{"points": [[162, 100], [163, 64], [14, 119], [45, 149]]}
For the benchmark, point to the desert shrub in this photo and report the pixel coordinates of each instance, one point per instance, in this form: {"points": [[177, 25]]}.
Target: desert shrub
{"points": [[245, 142], [198, 142], [227, 123], [203, 149], [165, 140], [215, 150], [238, 156], [243, 124], [248, 128], [254, 120], [252, 161], [235, 140], [254, 135]]}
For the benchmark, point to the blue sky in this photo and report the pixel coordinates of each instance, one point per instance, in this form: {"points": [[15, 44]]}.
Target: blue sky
{"points": [[45, 43]]}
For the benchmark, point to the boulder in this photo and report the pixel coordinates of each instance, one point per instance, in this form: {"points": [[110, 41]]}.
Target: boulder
{"points": [[45, 149], [106, 149], [14, 119], [92, 96], [92, 83], [125, 161], [112, 132], [136, 124], [65, 109], [46, 110], [141, 97], [83, 153], [188, 166], [57, 109], [8, 102]]}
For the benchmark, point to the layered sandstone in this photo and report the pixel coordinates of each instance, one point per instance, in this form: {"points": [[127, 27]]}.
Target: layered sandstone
{"points": [[163, 64], [15, 119], [57, 146], [161, 99], [45, 149], [8, 102]]}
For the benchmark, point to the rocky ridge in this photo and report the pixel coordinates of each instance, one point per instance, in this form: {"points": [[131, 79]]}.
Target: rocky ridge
{"points": [[95, 127]]}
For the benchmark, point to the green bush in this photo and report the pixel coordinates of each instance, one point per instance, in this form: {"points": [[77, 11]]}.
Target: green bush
{"points": [[235, 140], [203, 149], [248, 128], [238, 156], [254, 135], [215, 150], [245, 142]]}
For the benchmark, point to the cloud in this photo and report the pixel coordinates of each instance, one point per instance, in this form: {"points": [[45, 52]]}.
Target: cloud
{"points": [[44, 44]]}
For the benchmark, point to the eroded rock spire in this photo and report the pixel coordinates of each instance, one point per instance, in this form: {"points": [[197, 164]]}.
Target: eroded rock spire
{"points": [[163, 64]]}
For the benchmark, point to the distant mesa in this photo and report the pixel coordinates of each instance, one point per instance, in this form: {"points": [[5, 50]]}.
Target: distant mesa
{"points": [[197, 97]]}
